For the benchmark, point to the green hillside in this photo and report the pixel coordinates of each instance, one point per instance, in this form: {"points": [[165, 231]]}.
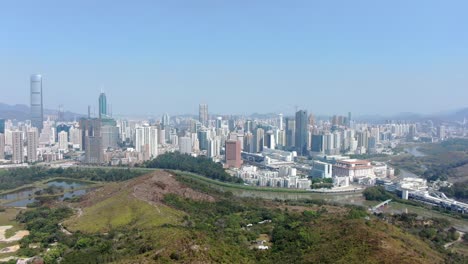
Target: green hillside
{"points": [[166, 218]]}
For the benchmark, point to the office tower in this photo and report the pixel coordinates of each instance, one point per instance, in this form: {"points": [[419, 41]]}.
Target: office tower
{"points": [[280, 117], [248, 126], [203, 139], [290, 132], [301, 132], [232, 125], [2, 126], [270, 140], [219, 122], [363, 139], [317, 143], [185, 145], [233, 154], [102, 105], [92, 140], [259, 140], [63, 140], [203, 114], [110, 136], [37, 111], [281, 136], [249, 142], [349, 119], [2, 146], [93, 150], [17, 146], [328, 142], [32, 139], [165, 120]]}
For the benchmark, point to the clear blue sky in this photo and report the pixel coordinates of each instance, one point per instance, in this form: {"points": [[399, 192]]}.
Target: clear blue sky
{"points": [[247, 56]]}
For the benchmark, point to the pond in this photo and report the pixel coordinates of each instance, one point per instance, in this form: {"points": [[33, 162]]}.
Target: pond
{"points": [[24, 197], [23, 193], [67, 184]]}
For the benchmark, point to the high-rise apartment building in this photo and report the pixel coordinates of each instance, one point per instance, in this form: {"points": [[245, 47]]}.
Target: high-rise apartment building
{"points": [[17, 147], [185, 145], [32, 142], [63, 140], [37, 111], [146, 141], [301, 132], [203, 114], [259, 140], [2, 146]]}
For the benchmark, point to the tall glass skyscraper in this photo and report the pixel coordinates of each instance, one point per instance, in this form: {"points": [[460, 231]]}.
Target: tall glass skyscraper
{"points": [[2, 126], [301, 132], [37, 111], [203, 114], [102, 105]]}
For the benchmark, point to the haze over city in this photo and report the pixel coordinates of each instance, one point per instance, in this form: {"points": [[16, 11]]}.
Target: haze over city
{"points": [[327, 57]]}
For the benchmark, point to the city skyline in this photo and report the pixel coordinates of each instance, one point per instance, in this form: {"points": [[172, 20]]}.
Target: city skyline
{"points": [[364, 57]]}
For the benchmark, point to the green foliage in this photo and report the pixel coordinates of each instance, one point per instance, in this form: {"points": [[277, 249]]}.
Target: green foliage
{"points": [[376, 193], [318, 183], [200, 165], [42, 224], [457, 190], [357, 213]]}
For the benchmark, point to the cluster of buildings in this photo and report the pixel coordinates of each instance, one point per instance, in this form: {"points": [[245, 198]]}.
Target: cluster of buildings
{"points": [[275, 151], [417, 189]]}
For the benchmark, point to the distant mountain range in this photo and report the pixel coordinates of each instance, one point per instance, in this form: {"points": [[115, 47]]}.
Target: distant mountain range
{"points": [[453, 116], [22, 112]]}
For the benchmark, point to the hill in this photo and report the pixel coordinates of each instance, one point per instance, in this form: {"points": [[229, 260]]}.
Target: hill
{"points": [[22, 112], [169, 217]]}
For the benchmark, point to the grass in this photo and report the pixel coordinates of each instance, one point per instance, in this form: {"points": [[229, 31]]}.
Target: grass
{"points": [[8, 217], [123, 210]]}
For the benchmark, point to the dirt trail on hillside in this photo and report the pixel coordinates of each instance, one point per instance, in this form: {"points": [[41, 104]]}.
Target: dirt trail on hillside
{"points": [[153, 187], [150, 188]]}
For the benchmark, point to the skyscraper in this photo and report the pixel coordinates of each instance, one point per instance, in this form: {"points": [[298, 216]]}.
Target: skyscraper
{"points": [[37, 111], [165, 121], [63, 140], [185, 145], [32, 140], [290, 132], [233, 154], [17, 145], [203, 114], [2, 146], [2, 126], [92, 140], [301, 132], [102, 105], [146, 141]]}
